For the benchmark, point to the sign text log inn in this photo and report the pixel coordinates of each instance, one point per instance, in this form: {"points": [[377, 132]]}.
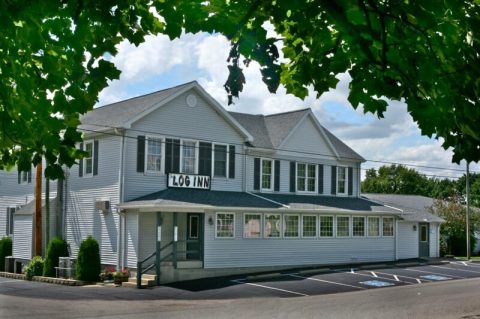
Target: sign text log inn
{"points": [[189, 181]]}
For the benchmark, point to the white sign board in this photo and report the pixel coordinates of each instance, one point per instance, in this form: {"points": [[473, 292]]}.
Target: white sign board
{"points": [[188, 181]]}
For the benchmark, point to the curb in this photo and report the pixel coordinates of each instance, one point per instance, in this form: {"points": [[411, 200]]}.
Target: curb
{"points": [[374, 266], [264, 276], [315, 271], [408, 264]]}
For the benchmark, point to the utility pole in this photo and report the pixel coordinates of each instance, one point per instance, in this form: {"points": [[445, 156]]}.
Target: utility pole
{"points": [[38, 210], [468, 212]]}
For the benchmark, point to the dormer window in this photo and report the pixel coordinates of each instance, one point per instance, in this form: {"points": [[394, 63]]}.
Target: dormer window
{"points": [[306, 177], [342, 180], [267, 174]]}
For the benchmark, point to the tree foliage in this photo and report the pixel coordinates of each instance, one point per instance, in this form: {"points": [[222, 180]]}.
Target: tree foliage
{"points": [[57, 247], [423, 52], [88, 260]]}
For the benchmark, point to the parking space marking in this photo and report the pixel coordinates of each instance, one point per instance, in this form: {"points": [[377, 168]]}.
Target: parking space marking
{"points": [[9, 281], [377, 283], [326, 281], [268, 287], [434, 273], [374, 274], [378, 277], [467, 264], [436, 277], [464, 270], [397, 275]]}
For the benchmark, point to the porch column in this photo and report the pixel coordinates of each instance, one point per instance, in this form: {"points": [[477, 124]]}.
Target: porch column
{"points": [[158, 246], [175, 239]]}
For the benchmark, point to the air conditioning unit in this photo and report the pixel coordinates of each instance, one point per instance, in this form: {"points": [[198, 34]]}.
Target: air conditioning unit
{"points": [[66, 267], [103, 205]]}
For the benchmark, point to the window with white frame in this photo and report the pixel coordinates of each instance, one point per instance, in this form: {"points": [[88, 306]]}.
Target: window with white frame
{"points": [[267, 174], [373, 226], [341, 180], [387, 226], [252, 225], [189, 157], [271, 228], [220, 160], [306, 177], [343, 226], [326, 226], [154, 154], [358, 226], [309, 226], [291, 224], [88, 159], [225, 225]]}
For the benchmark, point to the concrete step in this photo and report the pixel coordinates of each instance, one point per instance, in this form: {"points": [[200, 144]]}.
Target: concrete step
{"points": [[146, 282], [129, 284]]}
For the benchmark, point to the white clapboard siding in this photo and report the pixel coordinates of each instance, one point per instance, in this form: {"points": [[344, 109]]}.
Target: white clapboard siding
{"points": [[131, 240], [434, 241], [407, 240], [177, 120], [148, 224], [22, 236], [242, 252]]}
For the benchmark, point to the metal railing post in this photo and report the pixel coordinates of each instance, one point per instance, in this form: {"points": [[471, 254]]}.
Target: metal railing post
{"points": [[158, 246], [175, 239], [139, 275]]}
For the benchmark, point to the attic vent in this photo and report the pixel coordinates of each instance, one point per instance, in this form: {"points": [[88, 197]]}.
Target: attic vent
{"points": [[191, 100], [103, 205]]}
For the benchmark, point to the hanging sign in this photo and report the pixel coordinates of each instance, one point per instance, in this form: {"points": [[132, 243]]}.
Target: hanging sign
{"points": [[188, 181]]}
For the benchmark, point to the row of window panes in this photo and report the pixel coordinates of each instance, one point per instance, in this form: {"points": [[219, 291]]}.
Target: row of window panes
{"points": [[189, 157], [359, 226]]}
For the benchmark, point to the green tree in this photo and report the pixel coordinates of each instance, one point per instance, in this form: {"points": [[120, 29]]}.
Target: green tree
{"points": [[57, 247], [88, 260], [396, 179], [423, 52], [453, 231]]}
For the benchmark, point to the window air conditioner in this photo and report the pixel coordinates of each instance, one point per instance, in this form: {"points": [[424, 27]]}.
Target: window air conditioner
{"points": [[103, 205]]}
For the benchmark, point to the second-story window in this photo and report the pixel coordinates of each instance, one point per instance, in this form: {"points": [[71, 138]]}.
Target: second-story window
{"points": [[267, 174], [88, 159], [154, 154], [220, 160], [341, 180], [24, 177], [189, 157], [306, 177]]}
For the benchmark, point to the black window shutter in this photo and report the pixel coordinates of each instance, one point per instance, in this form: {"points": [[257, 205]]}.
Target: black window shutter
{"points": [[19, 177], [205, 159], [350, 181], [334, 180], [172, 156], [231, 161], [29, 176], [256, 174], [140, 153], [80, 164], [293, 173], [95, 157], [7, 232], [276, 185], [320, 179]]}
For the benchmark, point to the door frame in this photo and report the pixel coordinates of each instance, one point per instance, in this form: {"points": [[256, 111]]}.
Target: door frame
{"points": [[426, 242], [201, 234]]}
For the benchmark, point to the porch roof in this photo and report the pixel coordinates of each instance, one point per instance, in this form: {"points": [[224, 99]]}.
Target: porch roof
{"points": [[201, 199]]}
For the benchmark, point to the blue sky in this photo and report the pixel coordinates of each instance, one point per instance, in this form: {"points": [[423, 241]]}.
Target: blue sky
{"points": [[160, 63]]}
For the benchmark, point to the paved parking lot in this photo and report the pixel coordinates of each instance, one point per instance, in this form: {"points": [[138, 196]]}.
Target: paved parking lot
{"points": [[307, 282], [317, 282]]}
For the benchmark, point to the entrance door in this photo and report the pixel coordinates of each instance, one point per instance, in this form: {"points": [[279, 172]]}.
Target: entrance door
{"points": [[424, 240], [194, 236]]}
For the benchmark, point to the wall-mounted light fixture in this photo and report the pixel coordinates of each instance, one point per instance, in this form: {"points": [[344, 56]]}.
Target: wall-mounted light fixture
{"points": [[414, 227], [210, 221]]}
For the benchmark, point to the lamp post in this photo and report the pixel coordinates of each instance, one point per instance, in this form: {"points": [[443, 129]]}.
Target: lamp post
{"points": [[468, 212]]}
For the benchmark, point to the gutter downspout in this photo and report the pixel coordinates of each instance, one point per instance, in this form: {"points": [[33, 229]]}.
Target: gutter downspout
{"points": [[244, 182]]}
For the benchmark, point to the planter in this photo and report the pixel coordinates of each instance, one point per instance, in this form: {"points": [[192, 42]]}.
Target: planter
{"points": [[119, 279]]}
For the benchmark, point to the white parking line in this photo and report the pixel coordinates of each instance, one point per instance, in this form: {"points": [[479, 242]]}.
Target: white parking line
{"points": [[419, 281], [7, 281], [464, 270], [374, 274], [268, 287], [433, 273], [396, 276], [326, 281], [463, 263], [378, 277]]}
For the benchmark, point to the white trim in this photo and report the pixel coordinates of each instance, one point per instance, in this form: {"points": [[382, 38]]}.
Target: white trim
{"points": [[349, 226], [272, 175], [162, 155], [280, 228], [306, 191], [227, 161], [316, 225], [364, 227], [284, 226], [379, 226], [216, 225], [85, 174], [334, 223], [196, 149], [346, 180], [261, 225]]}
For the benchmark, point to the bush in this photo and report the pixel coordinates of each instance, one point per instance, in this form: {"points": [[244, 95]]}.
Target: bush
{"points": [[5, 250], [34, 268], [88, 261], [56, 248]]}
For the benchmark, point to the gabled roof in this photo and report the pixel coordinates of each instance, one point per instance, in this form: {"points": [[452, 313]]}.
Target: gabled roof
{"points": [[122, 114], [414, 207], [270, 131]]}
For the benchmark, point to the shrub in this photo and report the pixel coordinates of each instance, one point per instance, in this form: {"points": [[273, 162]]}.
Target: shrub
{"points": [[88, 261], [5, 250], [56, 248], [34, 268]]}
